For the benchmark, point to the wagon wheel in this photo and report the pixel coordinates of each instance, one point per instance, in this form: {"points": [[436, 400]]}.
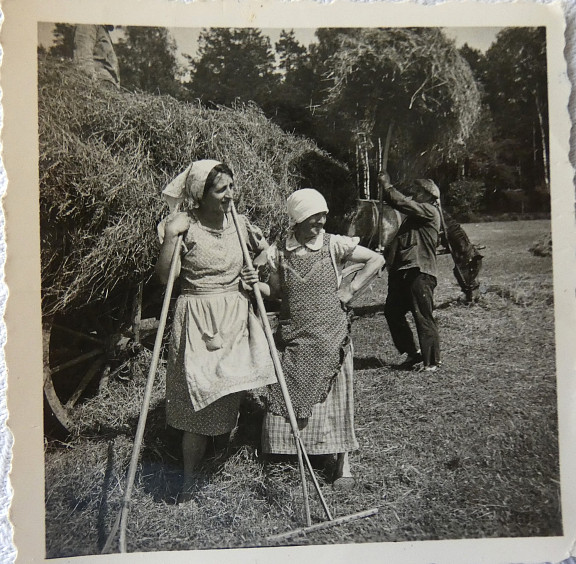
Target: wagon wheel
{"points": [[82, 350], [86, 357], [72, 359]]}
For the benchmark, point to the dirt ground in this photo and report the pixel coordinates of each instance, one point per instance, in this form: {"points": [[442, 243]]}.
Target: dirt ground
{"points": [[469, 451]]}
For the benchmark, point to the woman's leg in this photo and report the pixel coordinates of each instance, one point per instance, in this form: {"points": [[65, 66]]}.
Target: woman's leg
{"points": [[342, 466], [343, 479], [193, 449]]}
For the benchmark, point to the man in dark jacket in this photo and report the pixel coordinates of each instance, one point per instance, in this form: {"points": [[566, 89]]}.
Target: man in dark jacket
{"points": [[411, 259]]}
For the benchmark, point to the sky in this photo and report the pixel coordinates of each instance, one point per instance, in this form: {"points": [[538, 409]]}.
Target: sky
{"points": [[187, 38], [478, 37]]}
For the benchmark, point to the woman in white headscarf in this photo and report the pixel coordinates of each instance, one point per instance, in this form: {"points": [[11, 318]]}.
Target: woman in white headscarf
{"points": [[218, 348], [314, 334]]}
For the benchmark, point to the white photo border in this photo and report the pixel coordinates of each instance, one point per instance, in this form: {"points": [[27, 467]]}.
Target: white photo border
{"points": [[23, 316]]}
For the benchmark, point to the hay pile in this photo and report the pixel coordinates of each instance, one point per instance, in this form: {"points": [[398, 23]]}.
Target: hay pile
{"points": [[105, 156], [542, 247], [412, 77]]}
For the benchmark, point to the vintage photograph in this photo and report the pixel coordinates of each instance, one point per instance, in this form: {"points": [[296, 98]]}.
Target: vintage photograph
{"points": [[363, 352]]}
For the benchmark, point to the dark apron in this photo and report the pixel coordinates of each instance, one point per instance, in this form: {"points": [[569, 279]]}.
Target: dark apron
{"points": [[313, 329]]}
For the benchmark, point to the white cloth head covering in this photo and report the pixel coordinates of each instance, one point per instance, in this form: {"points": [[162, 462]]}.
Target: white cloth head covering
{"points": [[189, 184], [304, 203]]}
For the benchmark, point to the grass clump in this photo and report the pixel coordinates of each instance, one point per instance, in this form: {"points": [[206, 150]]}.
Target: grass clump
{"points": [[542, 247]]}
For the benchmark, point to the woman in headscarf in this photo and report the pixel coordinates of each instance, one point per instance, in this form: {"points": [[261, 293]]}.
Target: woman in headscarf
{"points": [[218, 348], [314, 334]]}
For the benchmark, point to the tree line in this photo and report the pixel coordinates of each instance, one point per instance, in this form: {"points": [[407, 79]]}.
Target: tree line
{"points": [[404, 99]]}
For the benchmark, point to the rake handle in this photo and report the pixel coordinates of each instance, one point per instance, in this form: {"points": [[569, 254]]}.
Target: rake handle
{"points": [[147, 396], [383, 168], [267, 328]]}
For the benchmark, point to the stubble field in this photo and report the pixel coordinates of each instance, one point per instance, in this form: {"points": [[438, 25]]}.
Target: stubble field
{"points": [[469, 451]]}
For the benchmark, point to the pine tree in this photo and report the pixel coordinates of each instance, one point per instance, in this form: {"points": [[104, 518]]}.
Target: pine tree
{"points": [[233, 64], [63, 41], [147, 58], [516, 88]]}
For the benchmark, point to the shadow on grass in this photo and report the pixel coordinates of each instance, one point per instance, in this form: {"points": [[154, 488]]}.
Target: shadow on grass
{"points": [[103, 506], [374, 363], [369, 363], [457, 301], [161, 472]]}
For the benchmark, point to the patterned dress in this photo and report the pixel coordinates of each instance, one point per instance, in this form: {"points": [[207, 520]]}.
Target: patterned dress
{"points": [[313, 338], [218, 348]]}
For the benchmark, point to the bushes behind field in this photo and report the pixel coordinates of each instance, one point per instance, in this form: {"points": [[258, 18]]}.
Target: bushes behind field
{"points": [[105, 156]]}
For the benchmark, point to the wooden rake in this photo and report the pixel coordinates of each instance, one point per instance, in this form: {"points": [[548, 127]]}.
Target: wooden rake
{"points": [[300, 450], [122, 519]]}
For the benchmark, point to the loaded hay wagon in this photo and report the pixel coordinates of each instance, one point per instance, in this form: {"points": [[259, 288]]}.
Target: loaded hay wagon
{"points": [[408, 94], [105, 156]]}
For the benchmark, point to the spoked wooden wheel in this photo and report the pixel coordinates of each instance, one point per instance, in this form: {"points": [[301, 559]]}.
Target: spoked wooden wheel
{"points": [[73, 358], [84, 349]]}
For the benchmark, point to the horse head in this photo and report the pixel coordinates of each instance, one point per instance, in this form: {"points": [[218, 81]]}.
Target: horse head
{"points": [[467, 259]]}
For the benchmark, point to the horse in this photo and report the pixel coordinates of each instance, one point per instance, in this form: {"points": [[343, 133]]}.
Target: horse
{"points": [[364, 223]]}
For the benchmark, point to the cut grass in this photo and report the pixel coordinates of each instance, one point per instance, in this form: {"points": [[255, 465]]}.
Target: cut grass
{"points": [[467, 452]]}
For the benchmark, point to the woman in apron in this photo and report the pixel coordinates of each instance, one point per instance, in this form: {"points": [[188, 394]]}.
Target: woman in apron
{"points": [[217, 348], [313, 336]]}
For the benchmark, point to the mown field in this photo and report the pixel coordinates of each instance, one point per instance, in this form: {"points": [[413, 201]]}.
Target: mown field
{"points": [[467, 452]]}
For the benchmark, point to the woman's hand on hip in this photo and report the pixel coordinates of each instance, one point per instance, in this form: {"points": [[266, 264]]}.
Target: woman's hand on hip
{"points": [[345, 294]]}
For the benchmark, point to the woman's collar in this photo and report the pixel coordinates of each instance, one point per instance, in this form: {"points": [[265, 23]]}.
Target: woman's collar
{"points": [[314, 244]]}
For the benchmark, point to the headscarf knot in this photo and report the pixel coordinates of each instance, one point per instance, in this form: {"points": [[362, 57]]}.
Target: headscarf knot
{"points": [[189, 184]]}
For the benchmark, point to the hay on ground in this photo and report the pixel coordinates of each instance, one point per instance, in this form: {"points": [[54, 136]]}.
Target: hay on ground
{"points": [[542, 247]]}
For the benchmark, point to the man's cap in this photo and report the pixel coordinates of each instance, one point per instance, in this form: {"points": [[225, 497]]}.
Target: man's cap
{"points": [[429, 186]]}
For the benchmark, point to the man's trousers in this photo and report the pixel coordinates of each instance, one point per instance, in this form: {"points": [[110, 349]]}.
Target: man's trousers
{"points": [[412, 290]]}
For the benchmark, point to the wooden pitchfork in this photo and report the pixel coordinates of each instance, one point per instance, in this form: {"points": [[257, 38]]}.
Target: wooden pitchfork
{"points": [[300, 450]]}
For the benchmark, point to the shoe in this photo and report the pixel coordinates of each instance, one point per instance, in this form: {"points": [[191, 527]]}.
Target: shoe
{"points": [[422, 368], [344, 483], [411, 360]]}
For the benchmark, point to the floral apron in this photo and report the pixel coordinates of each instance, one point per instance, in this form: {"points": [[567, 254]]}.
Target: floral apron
{"points": [[313, 330]]}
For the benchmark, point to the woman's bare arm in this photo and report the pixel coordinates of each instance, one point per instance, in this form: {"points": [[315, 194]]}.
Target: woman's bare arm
{"points": [[271, 289], [178, 224], [373, 263]]}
